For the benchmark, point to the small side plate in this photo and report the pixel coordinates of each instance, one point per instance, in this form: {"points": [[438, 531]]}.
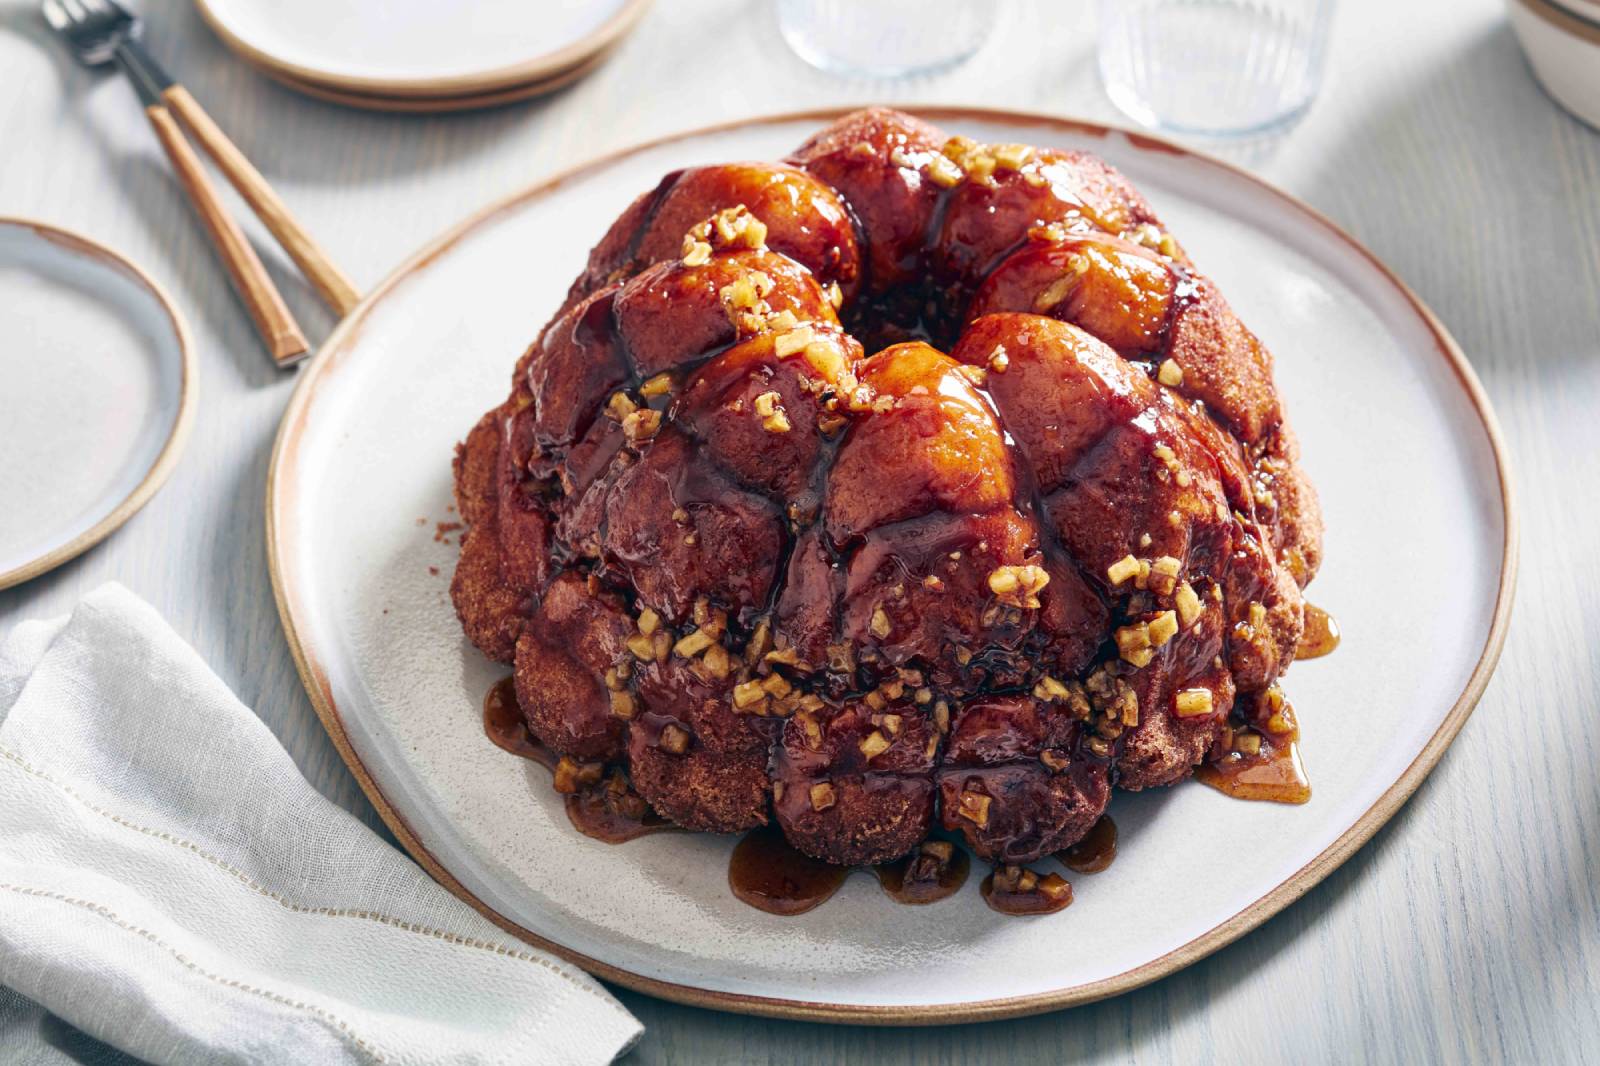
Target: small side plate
{"points": [[410, 105], [98, 395], [419, 49]]}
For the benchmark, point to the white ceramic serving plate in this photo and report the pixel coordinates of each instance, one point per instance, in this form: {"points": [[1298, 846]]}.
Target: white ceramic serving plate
{"points": [[419, 48], [1564, 51], [1397, 437], [97, 385]]}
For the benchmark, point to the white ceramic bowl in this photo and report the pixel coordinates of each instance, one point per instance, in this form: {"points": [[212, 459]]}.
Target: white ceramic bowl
{"points": [[1564, 50]]}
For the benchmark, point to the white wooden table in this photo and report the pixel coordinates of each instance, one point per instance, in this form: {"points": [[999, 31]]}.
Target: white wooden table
{"points": [[1469, 929]]}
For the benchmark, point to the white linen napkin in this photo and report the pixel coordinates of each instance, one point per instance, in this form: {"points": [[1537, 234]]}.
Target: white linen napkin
{"points": [[172, 886]]}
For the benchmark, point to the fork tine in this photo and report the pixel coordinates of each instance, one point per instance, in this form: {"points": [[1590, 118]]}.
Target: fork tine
{"points": [[56, 15], [92, 29]]}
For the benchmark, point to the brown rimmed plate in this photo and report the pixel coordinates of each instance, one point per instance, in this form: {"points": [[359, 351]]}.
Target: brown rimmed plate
{"points": [[412, 105], [98, 395], [420, 49], [1397, 435]]}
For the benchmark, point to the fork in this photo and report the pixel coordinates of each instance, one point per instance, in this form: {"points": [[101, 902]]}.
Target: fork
{"points": [[101, 32]]}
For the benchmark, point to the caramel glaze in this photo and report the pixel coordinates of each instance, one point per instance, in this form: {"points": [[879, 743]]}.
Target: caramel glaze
{"points": [[613, 814], [771, 875], [921, 878], [603, 810], [1095, 851], [1274, 772], [768, 873], [1275, 775], [1001, 893], [1320, 636], [503, 723]]}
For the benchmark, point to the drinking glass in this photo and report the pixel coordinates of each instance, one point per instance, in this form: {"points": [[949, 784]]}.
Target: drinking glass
{"points": [[1218, 68], [885, 38]]}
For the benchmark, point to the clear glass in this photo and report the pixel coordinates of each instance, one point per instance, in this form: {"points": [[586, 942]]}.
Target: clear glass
{"points": [[1217, 68], [886, 38]]}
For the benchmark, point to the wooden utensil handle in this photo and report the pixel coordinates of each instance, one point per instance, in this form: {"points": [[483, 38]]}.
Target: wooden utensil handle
{"points": [[336, 289], [271, 315]]}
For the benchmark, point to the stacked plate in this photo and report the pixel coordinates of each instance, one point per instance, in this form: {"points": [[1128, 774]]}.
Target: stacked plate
{"points": [[422, 55], [1562, 39]]}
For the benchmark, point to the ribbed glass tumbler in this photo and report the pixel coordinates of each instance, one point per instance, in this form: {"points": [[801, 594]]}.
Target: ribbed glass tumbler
{"points": [[1216, 68], [886, 38]]}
